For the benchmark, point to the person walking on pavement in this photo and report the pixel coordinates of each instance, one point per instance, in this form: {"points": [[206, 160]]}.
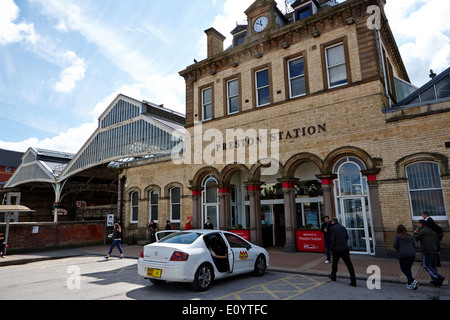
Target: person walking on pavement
{"points": [[208, 224], [2, 244], [326, 229], [169, 226], [406, 250], [117, 238], [433, 226], [340, 249], [188, 224], [429, 243]]}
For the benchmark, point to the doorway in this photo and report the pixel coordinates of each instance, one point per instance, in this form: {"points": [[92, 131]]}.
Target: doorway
{"points": [[353, 205], [273, 223], [354, 216]]}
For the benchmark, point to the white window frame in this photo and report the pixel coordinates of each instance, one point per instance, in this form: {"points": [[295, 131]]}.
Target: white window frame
{"points": [[174, 203], [206, 204], [297, 77], [263, 87], [230, 97], [134, 206], [419, 217], [152, 205], [204, 105], [337, 65]]}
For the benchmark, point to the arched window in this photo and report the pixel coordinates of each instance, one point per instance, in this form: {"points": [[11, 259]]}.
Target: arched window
{"points": [[350, 180], [352, 204], [153, 205], [175, 204], [134, 197], [425, 190], [210, 200]]}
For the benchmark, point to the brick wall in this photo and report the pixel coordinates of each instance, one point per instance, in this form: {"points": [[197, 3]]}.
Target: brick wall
{"points": [[53, 235]]}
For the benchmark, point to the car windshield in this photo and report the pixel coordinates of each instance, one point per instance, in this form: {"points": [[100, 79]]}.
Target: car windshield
{"points": [[181, 237]]}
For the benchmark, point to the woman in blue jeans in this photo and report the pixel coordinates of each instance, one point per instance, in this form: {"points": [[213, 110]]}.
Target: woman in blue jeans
{"points": [[406, 249], [117, 236]]}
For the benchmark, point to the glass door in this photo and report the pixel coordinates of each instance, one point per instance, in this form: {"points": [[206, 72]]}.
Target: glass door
{"points": [[352, 204], [267, 224], [354, 218], [212, 212], [210, 200]]}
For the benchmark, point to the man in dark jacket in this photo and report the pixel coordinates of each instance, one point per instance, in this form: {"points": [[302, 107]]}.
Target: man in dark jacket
{"points": [[340, 249], [429, 243], [326, 230]]}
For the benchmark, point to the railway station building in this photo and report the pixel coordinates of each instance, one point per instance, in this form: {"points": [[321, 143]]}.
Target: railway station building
{"points": [[309, 113]]}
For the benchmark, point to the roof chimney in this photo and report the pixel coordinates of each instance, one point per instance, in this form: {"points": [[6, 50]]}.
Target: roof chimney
{"points": [[215, 42]]}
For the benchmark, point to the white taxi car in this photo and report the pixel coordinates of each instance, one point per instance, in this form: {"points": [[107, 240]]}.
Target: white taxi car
{"points": [[200, 256]]}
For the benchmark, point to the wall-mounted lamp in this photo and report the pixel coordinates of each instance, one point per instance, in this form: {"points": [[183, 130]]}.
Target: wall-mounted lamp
{"points": [[212, 72], [259, 55], [316, 33], [193, 79], [350, 21], [285, 45], [233, 64]]}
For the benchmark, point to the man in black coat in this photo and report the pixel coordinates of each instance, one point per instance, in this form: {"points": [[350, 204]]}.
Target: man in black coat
{"points": [[326, 230], [438, 230], [340, 249]]}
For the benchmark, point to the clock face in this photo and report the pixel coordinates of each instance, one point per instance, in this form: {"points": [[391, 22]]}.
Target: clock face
{"points": [[260, 24]]}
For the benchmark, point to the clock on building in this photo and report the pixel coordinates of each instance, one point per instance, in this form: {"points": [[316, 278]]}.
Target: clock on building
{"points": [[260, 24]]}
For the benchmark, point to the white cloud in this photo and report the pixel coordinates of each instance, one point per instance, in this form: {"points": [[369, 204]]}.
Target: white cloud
{"points": [[70, 75], [233, 13], [11, 32], [421, 28], [115, 43], [69, 141]]}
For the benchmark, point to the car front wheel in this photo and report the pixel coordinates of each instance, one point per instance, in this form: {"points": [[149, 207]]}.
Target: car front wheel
{"points": [[203, 277]]}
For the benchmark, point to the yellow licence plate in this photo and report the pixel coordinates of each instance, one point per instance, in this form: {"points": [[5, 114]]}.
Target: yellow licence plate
{"points": [[155, 273]]}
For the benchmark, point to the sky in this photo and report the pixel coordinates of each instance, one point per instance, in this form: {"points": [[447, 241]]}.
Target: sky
{"points": [[62, 62]]}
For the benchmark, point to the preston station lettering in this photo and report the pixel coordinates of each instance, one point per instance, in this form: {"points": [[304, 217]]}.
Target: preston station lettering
{"points": [[281, 135]]}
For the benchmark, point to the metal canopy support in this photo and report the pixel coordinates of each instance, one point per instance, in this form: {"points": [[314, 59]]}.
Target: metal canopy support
{"points": [[57, 187]]}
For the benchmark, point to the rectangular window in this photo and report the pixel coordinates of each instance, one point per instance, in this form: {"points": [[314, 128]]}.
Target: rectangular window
{"points": [[443, 88], [297, 86], [175, 203], [303, 13], [425, 189], [207, 104], [428, 95], [233, 96], [134, 207], [262, 88], [153, 206], [336, 66]]}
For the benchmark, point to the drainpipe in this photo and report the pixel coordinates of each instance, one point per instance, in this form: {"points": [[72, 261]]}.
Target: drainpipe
{"points": [[384, 69]]}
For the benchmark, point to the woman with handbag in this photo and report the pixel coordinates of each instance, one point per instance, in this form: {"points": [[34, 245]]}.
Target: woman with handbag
{"points": [[117, 238]]}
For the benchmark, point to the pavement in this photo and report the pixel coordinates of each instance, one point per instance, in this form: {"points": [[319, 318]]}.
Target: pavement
{"points": [[298, 262]]}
